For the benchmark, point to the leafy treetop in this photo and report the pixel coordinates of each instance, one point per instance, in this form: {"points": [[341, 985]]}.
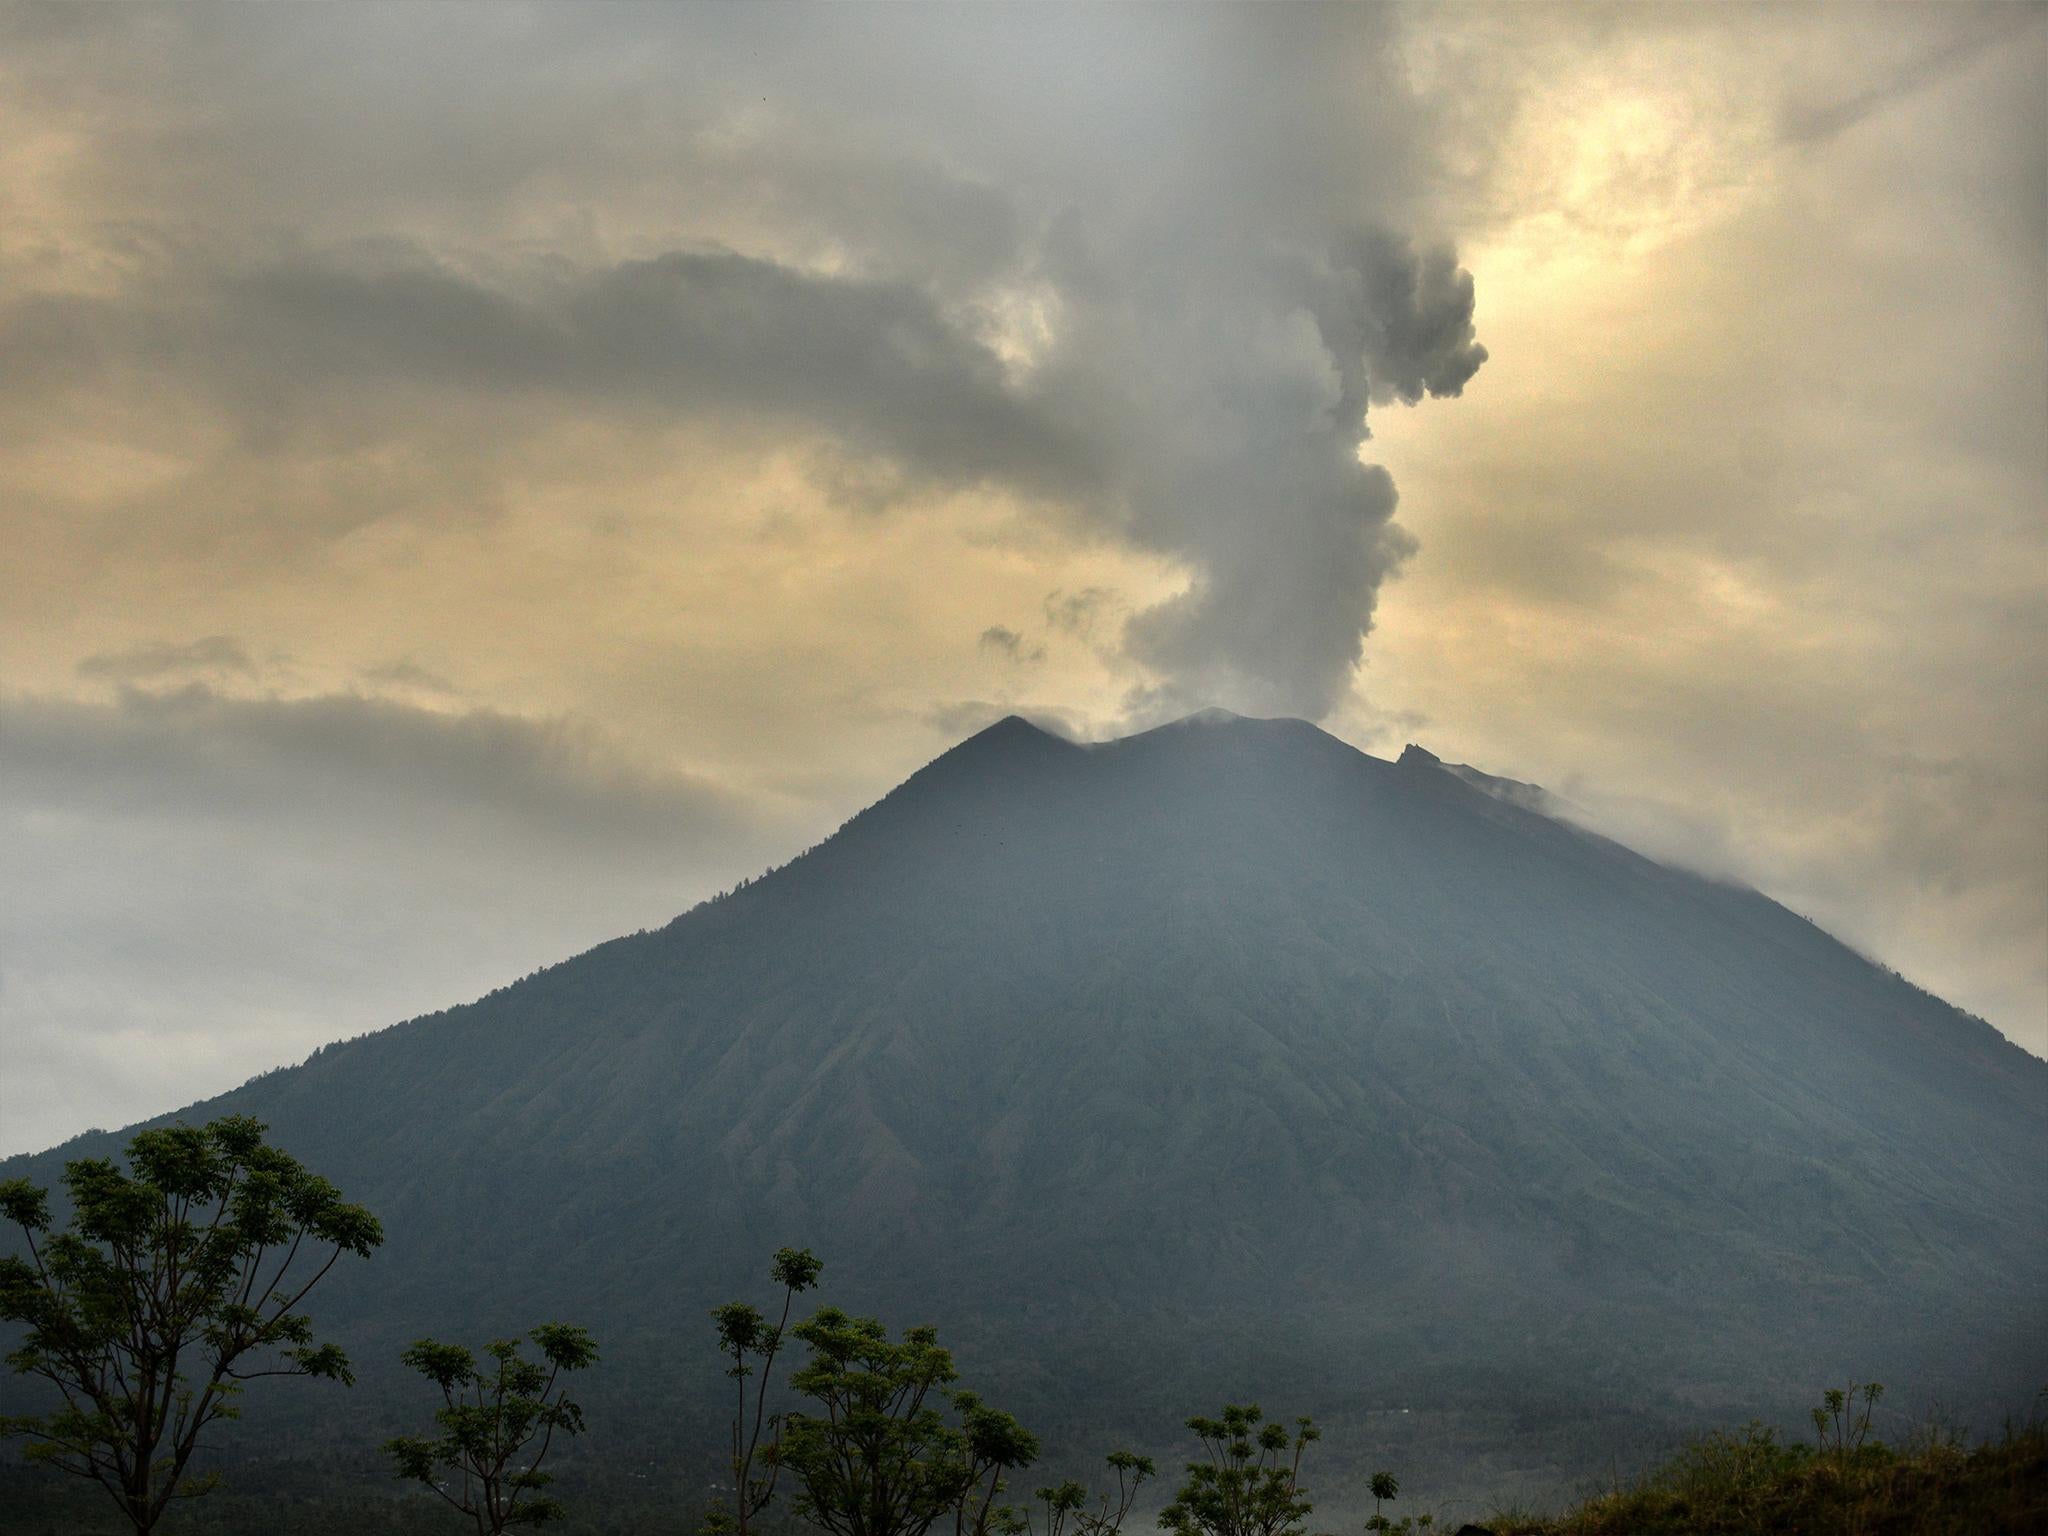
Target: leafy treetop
{"points": [[1066, 1504], [174, 1282], [879, 1457], [747, 1338], [489, 1419], [1249, 1482]]}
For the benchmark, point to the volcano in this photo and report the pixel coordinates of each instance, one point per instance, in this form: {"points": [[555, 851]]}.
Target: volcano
{"points": [[1219, 1062]]}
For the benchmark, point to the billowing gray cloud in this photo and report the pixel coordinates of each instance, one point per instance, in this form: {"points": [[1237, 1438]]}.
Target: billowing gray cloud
{"points": [[1223, 434], [1397, 321], [1005, 641], [1080, 612], [1245, 435], [982, 302], [311, 344]]}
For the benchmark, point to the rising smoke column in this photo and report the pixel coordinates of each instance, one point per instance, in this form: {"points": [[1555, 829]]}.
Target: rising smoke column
{"points": [[1225, 223], [1224, 246], [1249, 467]]}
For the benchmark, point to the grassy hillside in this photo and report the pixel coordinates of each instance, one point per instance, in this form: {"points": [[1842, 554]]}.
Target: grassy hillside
{"points": [[1750, 1483]]}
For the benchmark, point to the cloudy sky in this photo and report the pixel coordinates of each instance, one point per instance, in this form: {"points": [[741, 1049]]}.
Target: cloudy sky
{"points": [[474, 481]]}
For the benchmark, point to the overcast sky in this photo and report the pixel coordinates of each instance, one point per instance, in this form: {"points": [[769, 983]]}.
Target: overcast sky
{"points": [[474, 481]]}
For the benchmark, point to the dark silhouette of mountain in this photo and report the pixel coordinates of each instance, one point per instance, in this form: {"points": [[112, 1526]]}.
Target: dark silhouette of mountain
{"points": [[1217, 1062]]}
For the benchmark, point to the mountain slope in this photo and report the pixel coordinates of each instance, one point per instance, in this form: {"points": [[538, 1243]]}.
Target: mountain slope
{"points": [[1222, 1059]]}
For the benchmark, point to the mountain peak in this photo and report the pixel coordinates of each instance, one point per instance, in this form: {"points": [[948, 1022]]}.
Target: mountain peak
{"points": [[1273, 1012], [996, 752], [1012, 727]]}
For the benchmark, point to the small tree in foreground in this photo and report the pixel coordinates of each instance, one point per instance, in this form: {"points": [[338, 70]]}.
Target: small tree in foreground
{"points": [[1384, 1488], [1249, 1483], [1838, 1424], [745, 1337], [490, 1419], [174, 1283], [878, 1457], [1066, 1511]]}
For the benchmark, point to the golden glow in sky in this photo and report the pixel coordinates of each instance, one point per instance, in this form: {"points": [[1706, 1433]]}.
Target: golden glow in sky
{"points": [[473, 484]]}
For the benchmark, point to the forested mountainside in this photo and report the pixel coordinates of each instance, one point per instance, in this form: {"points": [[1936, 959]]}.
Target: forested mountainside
{"points": [[1219, 1062]]}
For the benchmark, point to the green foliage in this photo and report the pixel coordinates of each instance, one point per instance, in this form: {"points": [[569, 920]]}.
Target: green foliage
{"points": [[1249, 1483], [878, 1457], [1384, 1487], [1747, 1482], [745, 1337], [1407, 1525], [1840, 1429], [175, 1281], [490, 1419], [1066, 1505]]}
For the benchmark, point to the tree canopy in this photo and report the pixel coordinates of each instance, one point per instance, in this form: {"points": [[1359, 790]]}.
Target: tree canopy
{"points": [[497, 1425], [879, 1457], [1249, 1482], [747, 1338], [174, 1282]]}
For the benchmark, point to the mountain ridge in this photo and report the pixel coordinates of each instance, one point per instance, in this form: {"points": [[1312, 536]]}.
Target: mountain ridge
{"points": [[1220, 1057]]}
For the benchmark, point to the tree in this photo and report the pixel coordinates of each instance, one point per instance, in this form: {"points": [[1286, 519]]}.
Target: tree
{"points": [[879, 1458], [1841, 1429], [1250, 1483], [174, 1283], [745, 1337], [488, 1420], [1066, 1504], [1384, 1488]]}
